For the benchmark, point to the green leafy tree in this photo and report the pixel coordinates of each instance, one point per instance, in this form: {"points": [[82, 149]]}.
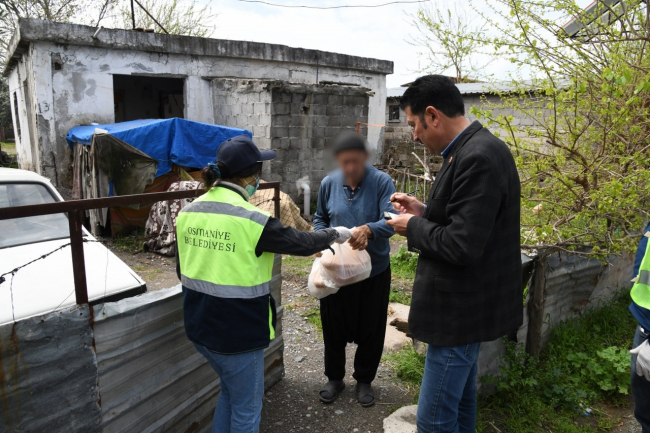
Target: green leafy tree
{"points": [[452, 40], [189, 18], [583, 151]]}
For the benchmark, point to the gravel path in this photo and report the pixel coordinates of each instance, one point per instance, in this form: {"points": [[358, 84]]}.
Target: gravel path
{"points": [[292, 405]]}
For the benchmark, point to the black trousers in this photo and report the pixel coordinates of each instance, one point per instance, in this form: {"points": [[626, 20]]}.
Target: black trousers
{"points": [[356, 313]]}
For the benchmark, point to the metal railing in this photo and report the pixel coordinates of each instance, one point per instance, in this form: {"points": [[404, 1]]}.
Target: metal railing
{"points": [[75, 209]]}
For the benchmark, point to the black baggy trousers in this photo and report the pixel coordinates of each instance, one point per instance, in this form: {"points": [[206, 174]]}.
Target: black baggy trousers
{"points": [[356, 313]]}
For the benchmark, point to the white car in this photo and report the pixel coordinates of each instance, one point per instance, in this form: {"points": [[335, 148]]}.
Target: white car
{"points": [[48, 284]]}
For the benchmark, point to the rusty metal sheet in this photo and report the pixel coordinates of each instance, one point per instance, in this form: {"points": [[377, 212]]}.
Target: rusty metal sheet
{"points": [[48, 374]]}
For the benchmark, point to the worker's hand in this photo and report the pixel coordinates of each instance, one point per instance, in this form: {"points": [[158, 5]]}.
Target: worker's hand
{"points": [[642, 353], [359, 239], [404, 203], [400, 222], [344, 234]]}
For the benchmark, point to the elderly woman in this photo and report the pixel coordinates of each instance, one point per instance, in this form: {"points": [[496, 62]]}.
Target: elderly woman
{"points": [[225, 251]]}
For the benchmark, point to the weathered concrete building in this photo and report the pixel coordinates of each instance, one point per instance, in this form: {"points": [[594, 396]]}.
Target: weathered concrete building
{"points": [[292, 99]]}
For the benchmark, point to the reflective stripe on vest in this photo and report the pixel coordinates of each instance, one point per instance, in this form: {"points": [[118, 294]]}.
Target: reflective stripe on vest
{"points": [[641, 290], [226, 291], [217, 236]]}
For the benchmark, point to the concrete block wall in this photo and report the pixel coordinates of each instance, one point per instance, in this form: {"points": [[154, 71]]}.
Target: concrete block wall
{"points": [[296, 120], [305, 119]]}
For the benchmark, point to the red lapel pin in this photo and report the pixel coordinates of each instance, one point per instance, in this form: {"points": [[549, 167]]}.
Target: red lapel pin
{"points": [[450, 158]]}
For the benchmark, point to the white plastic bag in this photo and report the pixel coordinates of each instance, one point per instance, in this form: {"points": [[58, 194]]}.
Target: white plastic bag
{"points": [[334, 270], [318, 288], [346, 266]]}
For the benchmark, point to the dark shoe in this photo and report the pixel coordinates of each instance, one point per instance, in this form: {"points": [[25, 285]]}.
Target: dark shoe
{"points": [[365, 394], [331, 391]]}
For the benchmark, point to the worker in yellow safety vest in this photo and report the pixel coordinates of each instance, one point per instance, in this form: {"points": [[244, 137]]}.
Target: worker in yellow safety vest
{"points": [[226, 250], [640, 308]]}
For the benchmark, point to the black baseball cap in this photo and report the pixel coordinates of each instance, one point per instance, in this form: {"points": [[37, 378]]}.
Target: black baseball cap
{"points": [[238, 153]]}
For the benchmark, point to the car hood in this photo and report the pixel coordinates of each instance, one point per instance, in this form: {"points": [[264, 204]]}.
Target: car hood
{"points": [[48, 284]]}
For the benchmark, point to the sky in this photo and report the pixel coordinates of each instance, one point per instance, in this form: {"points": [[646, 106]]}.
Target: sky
{"points": [[380, 33]]}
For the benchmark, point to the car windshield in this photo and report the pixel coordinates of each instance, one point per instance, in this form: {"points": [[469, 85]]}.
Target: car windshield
{"points": [[21, 231]]}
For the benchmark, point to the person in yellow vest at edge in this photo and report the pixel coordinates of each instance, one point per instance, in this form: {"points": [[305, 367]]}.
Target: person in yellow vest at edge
{"points": [[225, 255], [640, 309]]}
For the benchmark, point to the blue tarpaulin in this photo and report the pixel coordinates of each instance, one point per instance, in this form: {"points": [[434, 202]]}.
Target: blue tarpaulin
{"points": [[169, 141]]}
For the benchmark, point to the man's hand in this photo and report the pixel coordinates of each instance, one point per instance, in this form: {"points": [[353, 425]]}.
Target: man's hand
{"points": [[399, 222], [406, 204], [359, 239], [642, 353]]}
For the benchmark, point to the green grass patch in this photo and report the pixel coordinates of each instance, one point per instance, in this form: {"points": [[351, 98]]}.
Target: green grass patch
{"points": [[399, 295], [408, 365], [403, 263], [297, 266], [129, 243], [585, 362], [313, 317], [10, 148]]}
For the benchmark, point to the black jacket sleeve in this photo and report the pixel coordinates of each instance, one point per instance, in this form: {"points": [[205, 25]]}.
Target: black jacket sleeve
{"points": [[280, 239], [472, 209]]}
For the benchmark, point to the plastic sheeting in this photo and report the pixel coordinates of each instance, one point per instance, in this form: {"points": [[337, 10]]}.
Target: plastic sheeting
{"points": [[168, 141]]}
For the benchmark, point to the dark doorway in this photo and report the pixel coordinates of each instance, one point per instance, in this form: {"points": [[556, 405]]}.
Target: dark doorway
{"points": [[142, 97]]}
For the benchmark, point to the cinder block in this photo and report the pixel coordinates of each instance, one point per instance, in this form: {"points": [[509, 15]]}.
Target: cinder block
{"points": [[259, 131], [251, 97], [296, 108], [350, 121], [281, 120], [261, 107], [333, 110], [334, 100], [265, 119], [319, 98], [246, 108], [279, 132], [298, 98], [295, 143], [334, 121], [281, 108], [296, 132], [348, 111], [364, 112], [285, 97], [320, 120], [318, 110], [299, 119], [283, 143]]}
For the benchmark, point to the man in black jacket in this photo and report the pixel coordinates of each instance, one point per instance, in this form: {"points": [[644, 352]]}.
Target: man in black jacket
{"points": [[468, 282]]}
